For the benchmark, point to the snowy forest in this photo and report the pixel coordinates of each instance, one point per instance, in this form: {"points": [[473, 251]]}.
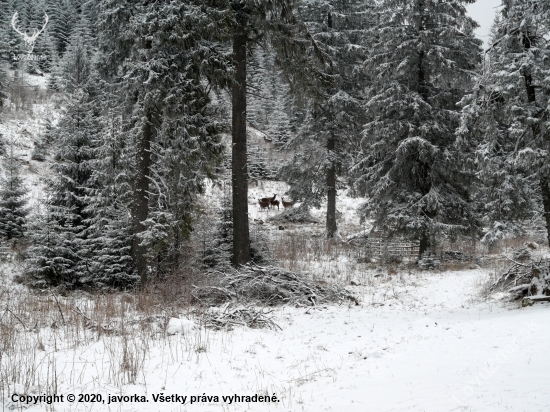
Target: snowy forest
{"points": [[184, 179]]}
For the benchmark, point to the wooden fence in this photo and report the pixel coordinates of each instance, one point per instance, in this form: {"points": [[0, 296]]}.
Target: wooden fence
{"points": [[397, 247]]}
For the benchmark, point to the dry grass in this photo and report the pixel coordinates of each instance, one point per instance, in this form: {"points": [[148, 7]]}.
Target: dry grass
{"points": [[38, 327]]}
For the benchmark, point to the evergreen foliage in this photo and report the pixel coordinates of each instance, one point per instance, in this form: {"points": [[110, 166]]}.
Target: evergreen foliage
{"points": [[74, 67], [3, 85], [218, 252], [64, 19], [110, 199], [272, 23], [329, 134], [270, 101], [13, 193], [62, 248], [422, 60], [503, 119], [173, 125], [366, 94]]}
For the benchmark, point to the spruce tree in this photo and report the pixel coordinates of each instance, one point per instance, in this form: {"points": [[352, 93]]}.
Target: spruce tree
{"points": [[62, 250], [12, 41], [75, 66], [110, 198], [504, 118], [64, 18], [270, 100], [4, 46], [421, 61], [13, 193], [166, 107], [3, 85], [330, 132]]}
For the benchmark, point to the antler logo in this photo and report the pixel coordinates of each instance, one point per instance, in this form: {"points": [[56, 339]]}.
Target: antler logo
{"points": [[29, 40]]}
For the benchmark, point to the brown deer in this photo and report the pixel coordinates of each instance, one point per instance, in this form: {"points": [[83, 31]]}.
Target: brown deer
{"points": [[287, 204], [274, 203], [264, 204], [268, 199]]}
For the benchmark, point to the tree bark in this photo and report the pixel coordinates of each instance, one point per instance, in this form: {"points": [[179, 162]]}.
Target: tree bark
{"points": [[424, 243], [239, 177], [545, 190], [425, 184], [141, 197], [331, 173], [331, 189], [543, 180]]}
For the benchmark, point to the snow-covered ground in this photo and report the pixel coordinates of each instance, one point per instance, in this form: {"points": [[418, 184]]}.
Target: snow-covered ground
{"points": [[419, 342], [24, 121]]}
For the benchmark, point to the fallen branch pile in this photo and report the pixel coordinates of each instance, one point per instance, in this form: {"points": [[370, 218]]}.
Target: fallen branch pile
{"points": [[526, 280], [229, 317], [269, 286], [294, 215]]}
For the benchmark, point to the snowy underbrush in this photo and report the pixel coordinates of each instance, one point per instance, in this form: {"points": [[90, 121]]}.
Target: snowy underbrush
{"points": [[269, 286], [529, 281], [294, 215], [47, 337]]}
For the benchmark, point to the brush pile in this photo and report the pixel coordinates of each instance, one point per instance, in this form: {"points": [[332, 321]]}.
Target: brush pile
{"points": [[294, 215], [530, 281], [268, 286], [230, 316]]}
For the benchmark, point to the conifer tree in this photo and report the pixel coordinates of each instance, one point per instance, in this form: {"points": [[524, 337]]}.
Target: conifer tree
{"points": [[110, 198], [12, 41], [167, 111], [75, 66], [270, 100], [3, 85], [504, 118], [52, 255], [64, 18], [421, 60], [329, 133], [217, 253], [4, 47], [13, 211], [45, 48], [63, 251]]}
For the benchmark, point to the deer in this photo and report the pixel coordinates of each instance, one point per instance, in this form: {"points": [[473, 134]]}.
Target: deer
{"points": [[264, 204], [274, 203], [287, 204], [268, 199]]}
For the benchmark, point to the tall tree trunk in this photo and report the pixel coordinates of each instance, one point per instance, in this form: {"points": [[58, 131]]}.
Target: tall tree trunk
{"points": [[331, 172], [426, 237], [535, 128], [141, 197], [545, 190], [331, 188], [425, 243], [239, 176]]}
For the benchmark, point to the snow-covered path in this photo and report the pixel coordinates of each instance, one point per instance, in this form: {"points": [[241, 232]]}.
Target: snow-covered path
{"points": [[423, 343], [439, 356]]}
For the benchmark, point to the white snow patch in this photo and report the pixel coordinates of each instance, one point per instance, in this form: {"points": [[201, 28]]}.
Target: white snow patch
{"points": [[180, 326]]}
